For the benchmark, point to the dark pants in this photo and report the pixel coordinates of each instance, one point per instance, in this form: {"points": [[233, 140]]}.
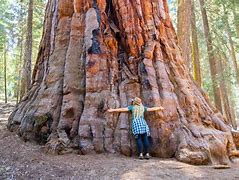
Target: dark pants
{"points": [[142, 143]]}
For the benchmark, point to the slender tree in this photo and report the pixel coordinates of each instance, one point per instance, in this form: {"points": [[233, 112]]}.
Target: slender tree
{"points": [[228, 85], [19, 68], [232, 49], [224, 92], [184, 29], [195, 48], [98, 54], [27, 60], [211, 56], [5, 69]]}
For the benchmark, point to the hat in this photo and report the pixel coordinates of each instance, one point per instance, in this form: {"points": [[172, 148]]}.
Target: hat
{"points": [[137, 101]]}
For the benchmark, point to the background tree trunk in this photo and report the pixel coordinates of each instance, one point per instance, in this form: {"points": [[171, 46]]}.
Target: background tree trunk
{"points": [[21, 40], [27, 60], [224, 92], [212, 61], [5, 69], [98, 54], [228, 85], [184, 29], [232, 49], [19, 67], [195, 48]]}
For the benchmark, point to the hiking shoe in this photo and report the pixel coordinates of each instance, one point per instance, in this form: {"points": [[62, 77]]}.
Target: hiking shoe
{"points": [[147, 156], [141, 156]]}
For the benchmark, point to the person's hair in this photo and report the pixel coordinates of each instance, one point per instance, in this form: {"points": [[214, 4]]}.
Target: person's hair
{"points": [[138, 108]]}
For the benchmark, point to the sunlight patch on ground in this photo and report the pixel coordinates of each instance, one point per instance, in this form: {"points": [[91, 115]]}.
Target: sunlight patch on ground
{"points": [[163, 169]]}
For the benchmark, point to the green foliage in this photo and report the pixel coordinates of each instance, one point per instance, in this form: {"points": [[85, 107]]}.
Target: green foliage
{"points": [[13, 21], [218, 11]]}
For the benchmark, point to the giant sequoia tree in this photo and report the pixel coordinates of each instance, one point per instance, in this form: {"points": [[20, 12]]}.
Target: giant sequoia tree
{"points": [[97, 54]]}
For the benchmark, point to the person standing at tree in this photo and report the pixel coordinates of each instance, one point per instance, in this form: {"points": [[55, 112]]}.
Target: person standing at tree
{"points": [[140, 128]]}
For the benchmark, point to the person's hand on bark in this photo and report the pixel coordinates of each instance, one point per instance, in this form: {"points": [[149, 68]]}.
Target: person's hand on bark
{"points": [[110, 110]]}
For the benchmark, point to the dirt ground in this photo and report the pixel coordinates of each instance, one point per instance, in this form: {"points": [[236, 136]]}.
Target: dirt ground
{"points": [[20, 160]]}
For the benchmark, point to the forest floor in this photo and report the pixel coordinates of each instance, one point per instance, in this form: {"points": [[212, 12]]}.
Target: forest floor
{"points": [[20, 160]]}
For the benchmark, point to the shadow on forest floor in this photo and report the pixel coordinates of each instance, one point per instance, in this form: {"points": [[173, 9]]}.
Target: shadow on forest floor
{"points": [[20, 160], [5, 110]]}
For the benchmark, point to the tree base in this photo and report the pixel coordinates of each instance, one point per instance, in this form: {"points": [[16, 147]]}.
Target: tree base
{"points": [[97, 55]]}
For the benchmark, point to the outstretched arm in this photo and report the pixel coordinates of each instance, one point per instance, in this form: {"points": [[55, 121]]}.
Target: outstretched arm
{"points": [[118, 110], [155, 108]]}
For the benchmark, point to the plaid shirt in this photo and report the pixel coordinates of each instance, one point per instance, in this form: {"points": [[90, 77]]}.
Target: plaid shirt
{"points": [[139, 125]]}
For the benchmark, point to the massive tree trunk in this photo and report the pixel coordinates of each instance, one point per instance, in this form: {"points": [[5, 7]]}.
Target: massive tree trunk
{"points": [[96, 55], [195, 48], [211, 56], [184, 29], [27, 61]]}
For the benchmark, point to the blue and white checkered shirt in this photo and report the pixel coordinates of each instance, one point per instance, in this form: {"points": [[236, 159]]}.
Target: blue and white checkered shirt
{"points": [[139, 125]]}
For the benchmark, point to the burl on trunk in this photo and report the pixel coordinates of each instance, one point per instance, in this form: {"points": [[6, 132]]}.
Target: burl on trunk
{"points": [[98, 54]]}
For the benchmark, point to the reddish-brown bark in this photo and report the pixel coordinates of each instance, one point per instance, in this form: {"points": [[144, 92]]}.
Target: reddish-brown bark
{"points": [[96, 55], [184, 29], [195, 48]]}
